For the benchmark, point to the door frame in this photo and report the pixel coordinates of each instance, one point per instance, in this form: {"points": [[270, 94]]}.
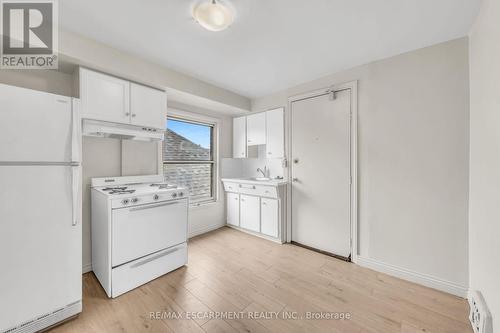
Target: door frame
{"points": [[353, 87]]}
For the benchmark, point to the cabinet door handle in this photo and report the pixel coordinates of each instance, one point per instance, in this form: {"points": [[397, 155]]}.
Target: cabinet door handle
{"points": [[264, 203], [133, 115], [75, 184], [127, 114], [249, 187]]}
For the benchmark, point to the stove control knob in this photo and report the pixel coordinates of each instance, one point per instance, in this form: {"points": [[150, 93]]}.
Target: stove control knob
{"points": [[134, 200], [181, 194], [174, 195], [125, 201], [156, 197]]}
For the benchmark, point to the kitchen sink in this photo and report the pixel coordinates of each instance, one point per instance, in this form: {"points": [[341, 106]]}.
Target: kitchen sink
{"points": [[261, 178]]}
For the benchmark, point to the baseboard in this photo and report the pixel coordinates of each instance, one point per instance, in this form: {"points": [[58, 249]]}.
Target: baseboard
{"points": [[253, 233], [412, 276], [87, 268], [194, 233]]}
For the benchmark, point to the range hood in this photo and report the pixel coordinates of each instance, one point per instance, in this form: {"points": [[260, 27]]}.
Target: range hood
{"points": [[105, 129]]}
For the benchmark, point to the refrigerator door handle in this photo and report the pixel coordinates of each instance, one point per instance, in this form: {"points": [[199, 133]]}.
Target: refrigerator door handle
{"points": [[75, 186], [75, 131]]}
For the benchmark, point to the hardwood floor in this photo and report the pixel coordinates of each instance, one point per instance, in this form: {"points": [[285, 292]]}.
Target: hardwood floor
{"points": [[232, 273]]}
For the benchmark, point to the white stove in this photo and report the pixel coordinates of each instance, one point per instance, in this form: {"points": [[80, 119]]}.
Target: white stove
{"points": [[139, 230]]}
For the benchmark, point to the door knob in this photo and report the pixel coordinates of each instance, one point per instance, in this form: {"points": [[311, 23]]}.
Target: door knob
{"points": [[295, 180]]}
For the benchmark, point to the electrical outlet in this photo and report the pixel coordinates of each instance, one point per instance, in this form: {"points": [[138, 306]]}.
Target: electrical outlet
{"points": [[479, 316]]}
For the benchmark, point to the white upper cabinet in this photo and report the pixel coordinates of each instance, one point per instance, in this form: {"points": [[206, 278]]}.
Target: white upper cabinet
{"points": [[275, 133], [239, 137], [264, 128], [256, 129], [104, 97], [148, 106], [107, 98]]}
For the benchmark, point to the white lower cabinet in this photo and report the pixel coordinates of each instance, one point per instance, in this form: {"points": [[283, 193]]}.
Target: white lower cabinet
{"points": [[269, 217], [256, 207], [250, 212], [233, 209]]}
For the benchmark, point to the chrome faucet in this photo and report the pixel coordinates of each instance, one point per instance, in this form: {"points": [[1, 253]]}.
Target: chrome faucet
{"points": [[263, 172]]}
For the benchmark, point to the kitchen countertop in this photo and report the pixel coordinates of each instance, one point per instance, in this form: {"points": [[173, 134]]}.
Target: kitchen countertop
{"points": [[271, 182]]}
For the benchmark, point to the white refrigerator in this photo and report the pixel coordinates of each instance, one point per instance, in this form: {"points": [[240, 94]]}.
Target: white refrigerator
{"points": [[40, 209]]}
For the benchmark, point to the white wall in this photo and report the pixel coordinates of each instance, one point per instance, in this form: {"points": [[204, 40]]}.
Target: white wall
{"points": [[413, 161], [100, 158], [484, 213], [247, 167], [44, 80]]}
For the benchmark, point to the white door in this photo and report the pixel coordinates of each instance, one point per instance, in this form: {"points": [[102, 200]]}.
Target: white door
{"points": [[35, 126], [148, 106], [250, 212], [275, 135], [269, 217], [233, 209], [239, 137], [104, 97], [144, 229], [40, 248], [256, 129], [320, 165]]}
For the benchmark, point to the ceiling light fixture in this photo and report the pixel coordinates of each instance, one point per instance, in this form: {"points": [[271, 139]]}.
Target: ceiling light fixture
{"points": [[212, 15]]}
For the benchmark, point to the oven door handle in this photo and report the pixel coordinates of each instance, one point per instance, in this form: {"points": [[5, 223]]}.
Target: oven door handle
{"points": [[158, 256], [133, 209]]}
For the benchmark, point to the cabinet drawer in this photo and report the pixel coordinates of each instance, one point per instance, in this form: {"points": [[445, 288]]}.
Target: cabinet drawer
{"points": [[138, 272], [231, 187], [258, 190]]}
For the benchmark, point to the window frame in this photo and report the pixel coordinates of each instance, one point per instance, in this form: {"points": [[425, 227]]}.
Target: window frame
{"points": [[187, 117]]}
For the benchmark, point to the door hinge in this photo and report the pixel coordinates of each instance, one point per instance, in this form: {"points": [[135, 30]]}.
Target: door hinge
{"points": [[331, 92]]}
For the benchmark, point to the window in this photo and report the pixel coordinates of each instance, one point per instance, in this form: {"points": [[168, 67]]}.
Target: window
{"points": [[188, 157]]}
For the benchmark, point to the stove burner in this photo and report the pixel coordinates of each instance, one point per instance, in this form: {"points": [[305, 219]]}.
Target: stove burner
{"points": [[120, 191], [163, 186], [115, 188]]}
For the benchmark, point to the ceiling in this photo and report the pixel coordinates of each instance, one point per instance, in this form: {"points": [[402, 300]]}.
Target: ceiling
{"points": [[273, 44]]}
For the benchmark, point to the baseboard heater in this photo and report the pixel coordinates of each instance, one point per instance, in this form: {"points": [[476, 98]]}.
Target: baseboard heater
{"points": [[479, 315], [47, 320]]}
